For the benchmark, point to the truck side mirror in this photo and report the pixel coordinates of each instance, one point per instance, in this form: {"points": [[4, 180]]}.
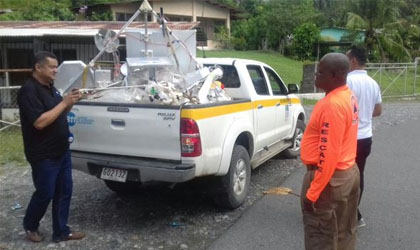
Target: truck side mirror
{"points": [[293, 88]]}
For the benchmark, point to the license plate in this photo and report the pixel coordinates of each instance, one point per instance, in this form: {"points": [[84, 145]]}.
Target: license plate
{"points": [[113, 174]]}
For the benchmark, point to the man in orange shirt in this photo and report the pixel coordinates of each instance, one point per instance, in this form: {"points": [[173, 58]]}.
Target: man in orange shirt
{"points": [[330, 190]]}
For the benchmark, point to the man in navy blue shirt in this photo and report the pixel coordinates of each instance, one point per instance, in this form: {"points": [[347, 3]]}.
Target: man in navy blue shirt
{"points": [[43, 114]]}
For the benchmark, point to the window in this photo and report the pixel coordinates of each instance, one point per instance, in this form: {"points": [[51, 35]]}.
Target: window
{"points": [[230, 76], [121, 16], [257, 77], [178, 18], [19, 59], [65, 55], [276, 84]]}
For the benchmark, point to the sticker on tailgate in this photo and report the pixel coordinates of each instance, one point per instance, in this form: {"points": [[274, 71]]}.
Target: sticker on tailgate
{"points": [[72, 119]]}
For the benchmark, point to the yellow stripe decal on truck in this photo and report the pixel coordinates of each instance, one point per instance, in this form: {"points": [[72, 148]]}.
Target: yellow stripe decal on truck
{"points": [[204, 113]]}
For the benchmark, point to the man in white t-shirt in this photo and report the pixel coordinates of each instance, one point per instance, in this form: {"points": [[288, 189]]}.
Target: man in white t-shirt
{"points": [[370, 105]]}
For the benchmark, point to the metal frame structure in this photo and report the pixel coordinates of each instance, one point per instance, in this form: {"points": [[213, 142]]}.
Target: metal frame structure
{"points": [[402, 70]]}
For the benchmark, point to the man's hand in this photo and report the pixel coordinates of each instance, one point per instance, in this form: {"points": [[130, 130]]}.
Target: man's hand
{"points": [[308, 205], [72, 97], [377, 111]]}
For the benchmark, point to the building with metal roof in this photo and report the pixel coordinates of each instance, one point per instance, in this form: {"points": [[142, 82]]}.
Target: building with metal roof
{"points": [[67, 40], [210, 13]]}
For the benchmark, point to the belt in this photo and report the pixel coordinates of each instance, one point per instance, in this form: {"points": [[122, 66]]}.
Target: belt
{"points": [[312, 167]]}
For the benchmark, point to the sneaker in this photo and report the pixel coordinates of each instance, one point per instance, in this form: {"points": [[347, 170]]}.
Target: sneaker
{"points": [[71, 236], [361, 223], [34, 236]]}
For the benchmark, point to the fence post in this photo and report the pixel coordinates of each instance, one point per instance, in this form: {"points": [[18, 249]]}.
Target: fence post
{"points": [[380, 73], [405, 79], [416, 63]]}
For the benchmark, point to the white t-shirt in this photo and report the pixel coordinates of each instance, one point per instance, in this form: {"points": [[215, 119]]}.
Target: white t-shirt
{"points": [[368, 94]]}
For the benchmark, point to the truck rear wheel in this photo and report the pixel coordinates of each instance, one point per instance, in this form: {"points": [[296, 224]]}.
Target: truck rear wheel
{"points": [[294, 150], [234, 185], [123, 187]]}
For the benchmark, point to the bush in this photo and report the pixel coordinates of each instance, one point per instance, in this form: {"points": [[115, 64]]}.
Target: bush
{"points": [[101, 16], [223, 37], [239, 43], [305, 38]]}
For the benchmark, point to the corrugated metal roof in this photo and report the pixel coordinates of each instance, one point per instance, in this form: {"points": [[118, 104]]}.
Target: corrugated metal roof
{"points": [[85, 28]]}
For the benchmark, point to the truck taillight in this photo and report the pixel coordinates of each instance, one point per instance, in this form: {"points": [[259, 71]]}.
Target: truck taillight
{"points": [[190, 138]]}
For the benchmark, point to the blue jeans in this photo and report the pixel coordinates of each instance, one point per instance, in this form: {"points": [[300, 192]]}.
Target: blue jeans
{"points": [[53, 181]]}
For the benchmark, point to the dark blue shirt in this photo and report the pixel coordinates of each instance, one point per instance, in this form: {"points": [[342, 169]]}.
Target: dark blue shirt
{"points": [[34, 99]]}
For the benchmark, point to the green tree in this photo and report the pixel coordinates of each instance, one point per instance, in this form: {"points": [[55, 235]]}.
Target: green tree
{"points": [[250, 5], [379, 19], [252, 29], [79, 3], [333, 13], [222, 36], [305, 37], [42, 10], [101, 16], [284, 16], [410, 10], [271, 23]]}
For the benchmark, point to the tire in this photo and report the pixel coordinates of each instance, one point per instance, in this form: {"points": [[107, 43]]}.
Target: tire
{"points": [[233, 187], [294, 150], [123, 187]]}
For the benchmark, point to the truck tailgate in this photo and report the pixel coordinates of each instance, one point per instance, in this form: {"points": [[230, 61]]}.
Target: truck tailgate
{"points": [[151, 131]]}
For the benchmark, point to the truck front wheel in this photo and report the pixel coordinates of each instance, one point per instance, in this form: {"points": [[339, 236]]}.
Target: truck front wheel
{"points": [[294, 150], [235, 184], [123, 187]]}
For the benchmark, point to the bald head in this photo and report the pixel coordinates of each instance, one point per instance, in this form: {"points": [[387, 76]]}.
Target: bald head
{"points": [[332, 71], [337, 63]]}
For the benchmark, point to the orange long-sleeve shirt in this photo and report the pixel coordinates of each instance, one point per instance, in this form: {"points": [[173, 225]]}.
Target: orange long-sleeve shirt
{"points": [[330, 138]]}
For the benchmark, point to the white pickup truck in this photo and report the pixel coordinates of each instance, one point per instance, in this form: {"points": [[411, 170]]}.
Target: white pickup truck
{"points": [[126, 143]]}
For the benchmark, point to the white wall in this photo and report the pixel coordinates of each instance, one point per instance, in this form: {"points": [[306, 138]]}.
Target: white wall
{"points": [[125, 7], [185, 8], [179, 8]]}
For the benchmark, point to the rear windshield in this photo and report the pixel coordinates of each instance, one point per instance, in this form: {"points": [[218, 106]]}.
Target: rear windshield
{"points": [[230, 76]]}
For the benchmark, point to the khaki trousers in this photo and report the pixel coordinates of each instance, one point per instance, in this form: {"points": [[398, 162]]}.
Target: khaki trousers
{"points": [[332, 223]]}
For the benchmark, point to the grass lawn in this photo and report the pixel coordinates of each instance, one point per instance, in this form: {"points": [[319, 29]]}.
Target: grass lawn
{"points": [[289, 70], [11, 147]]}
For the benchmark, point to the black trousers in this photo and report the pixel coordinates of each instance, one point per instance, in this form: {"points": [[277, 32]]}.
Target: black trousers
{"points": [[363, 151]]}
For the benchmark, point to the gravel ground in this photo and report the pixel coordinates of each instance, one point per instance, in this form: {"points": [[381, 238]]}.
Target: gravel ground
{"points": [[159, 217]]}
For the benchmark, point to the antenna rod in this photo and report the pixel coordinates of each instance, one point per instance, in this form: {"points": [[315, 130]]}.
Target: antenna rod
{"points": [[146, 34], [92, 62]]}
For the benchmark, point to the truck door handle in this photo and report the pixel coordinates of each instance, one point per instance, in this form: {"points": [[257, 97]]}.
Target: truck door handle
{"points": [[260, 106], [118, 123]]}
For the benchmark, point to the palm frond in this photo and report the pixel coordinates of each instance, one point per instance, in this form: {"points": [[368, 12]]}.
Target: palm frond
{"points": [[414, 30], [355, 21], [393, 46]]}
